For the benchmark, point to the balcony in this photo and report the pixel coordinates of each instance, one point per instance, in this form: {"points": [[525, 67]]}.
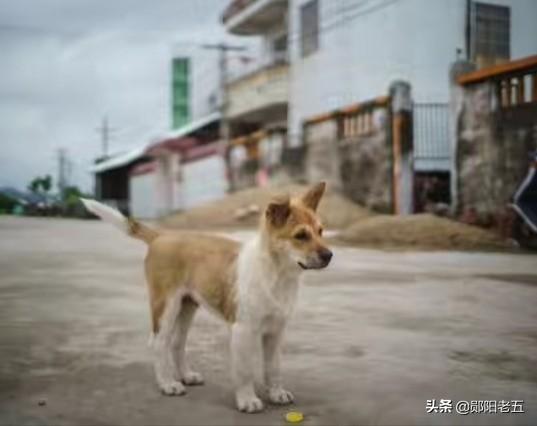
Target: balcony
{"points": [[254, 17], [261, 95]]}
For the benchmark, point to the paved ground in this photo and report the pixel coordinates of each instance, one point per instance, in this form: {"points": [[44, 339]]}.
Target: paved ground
{"points": [[373, 337]]}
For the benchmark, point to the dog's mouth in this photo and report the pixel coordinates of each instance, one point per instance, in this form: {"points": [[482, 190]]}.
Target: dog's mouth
{"points": [[306, 267]]}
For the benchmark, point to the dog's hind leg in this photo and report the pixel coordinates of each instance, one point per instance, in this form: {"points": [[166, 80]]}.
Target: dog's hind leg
{"points": [[184, 321], [162, 346]]}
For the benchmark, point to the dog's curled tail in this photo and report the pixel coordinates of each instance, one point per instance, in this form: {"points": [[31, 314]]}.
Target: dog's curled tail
{"points": [[128, 225]]}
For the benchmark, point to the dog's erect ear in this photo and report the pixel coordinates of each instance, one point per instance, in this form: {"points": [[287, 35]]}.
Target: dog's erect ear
{"points": [[312, 197], [278, 210]]}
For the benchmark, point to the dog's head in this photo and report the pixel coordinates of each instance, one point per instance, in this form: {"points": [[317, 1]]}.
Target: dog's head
{"points": [[295, 229]]}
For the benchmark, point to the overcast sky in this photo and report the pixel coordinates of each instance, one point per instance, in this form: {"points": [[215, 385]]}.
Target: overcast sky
{"points": [[66, 63]]}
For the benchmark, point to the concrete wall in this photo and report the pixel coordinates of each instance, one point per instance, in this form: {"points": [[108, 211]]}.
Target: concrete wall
{"points": [[366, 167], [323, 160], [143, 202], [168, 183], [203, 180], [493, 145], [412, 40], [267, 166], [359, 165]]}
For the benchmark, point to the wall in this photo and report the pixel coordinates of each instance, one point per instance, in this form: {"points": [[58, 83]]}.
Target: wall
{"points": [[203, 180], [167, 178], [359, 164], [262, 161], [323, 160], [493, 146], [143, 202], [413, 40]]}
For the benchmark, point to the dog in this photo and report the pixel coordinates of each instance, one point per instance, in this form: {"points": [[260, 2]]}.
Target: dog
{"points": [[252, 287]]}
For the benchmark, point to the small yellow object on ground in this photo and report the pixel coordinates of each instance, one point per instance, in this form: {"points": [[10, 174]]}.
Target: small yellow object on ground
{"points": [[294, 417]]}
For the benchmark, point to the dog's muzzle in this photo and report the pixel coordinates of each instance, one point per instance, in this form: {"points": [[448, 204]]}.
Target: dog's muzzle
{"points": [[324, 257]]}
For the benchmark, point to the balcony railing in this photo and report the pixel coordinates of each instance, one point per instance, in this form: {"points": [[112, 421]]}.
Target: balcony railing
{"points": [[277, 60], [250, 17], [235, 7], [260, 89]]}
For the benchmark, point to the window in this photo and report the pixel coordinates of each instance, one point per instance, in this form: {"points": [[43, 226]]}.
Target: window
{"points": [[279, 48], [491, 36], [309, 27], [180, 92]]}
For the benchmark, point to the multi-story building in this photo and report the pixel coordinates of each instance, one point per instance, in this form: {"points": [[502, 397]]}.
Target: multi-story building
{"points": [[258, 100], [323, 55]]}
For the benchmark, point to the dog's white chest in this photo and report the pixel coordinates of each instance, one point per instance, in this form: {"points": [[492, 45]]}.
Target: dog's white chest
{"points": [[265, 295]]}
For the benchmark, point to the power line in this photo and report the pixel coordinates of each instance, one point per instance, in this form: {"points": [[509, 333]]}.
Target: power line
{"points": [[352, 17], [344, 19]]}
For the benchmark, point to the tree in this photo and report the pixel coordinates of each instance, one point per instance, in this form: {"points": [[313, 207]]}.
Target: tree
{"points": [[71, 193], [46, 183], [34, 185], [39, 184]]}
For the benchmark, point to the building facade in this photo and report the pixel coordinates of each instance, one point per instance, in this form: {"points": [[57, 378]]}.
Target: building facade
{"points": [[257, 104], [342, 52], [347, 52]]}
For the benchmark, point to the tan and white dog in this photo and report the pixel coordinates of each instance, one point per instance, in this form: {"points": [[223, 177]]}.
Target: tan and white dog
{"points": [[253, 287]]}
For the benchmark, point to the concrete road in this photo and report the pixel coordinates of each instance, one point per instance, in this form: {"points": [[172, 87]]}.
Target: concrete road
{"points": [[373, 337]]}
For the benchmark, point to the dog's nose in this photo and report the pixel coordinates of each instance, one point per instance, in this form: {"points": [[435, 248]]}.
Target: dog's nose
{"points": [[326, 256]]}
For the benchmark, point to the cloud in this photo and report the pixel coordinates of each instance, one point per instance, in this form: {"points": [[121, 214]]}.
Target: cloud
{"points": [[67, 63]]}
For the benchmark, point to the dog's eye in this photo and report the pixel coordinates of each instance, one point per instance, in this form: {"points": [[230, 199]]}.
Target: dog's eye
{"points": [[320, 231], [302, 236]]}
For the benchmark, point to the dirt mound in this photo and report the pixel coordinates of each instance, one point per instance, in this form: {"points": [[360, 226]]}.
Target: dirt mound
{"points": [[420, 231], [242, 209]]}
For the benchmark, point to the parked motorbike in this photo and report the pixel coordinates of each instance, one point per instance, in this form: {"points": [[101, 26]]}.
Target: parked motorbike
{"points": [[525, 205]]}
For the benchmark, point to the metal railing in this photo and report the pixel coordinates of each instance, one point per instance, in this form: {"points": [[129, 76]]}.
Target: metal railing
{"points": [[431, 136]]}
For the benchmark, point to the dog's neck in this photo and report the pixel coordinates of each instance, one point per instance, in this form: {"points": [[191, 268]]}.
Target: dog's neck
{"points": [[270, 276], [279, 261]]}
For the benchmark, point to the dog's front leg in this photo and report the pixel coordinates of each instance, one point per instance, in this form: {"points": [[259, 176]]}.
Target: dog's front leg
{"points": [[273, 378], [244, 345]]}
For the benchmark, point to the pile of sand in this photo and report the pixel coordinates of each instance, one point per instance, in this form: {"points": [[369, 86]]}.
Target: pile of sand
{"points": [[359, 227], [420, 231], [242, 209]]}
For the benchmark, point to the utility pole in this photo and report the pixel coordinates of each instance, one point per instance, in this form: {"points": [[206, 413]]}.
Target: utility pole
{"points": [[224, 130], [62, 170], [105, 130]]}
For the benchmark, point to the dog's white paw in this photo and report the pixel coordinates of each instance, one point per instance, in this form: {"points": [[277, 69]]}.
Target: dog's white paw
{"points": [[172, 388], [191, 378], [249, 403], [279, 395]]}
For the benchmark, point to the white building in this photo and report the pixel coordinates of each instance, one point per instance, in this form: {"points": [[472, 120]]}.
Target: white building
{"points": [[258, 98], [348, 51], [176, 170], [341, 52]]}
